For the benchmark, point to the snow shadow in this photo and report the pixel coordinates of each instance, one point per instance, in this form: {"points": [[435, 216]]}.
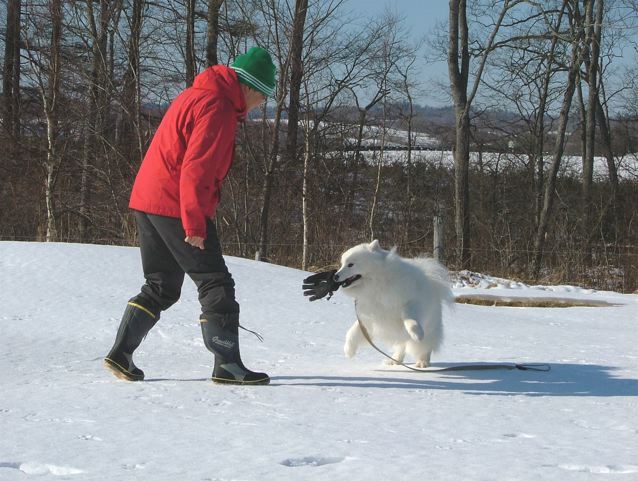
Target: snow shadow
{"points": [[586, 380], [177, 379]]}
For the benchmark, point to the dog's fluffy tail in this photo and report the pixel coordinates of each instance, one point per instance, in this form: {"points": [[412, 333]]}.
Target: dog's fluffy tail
{"points": [[436, 272]]}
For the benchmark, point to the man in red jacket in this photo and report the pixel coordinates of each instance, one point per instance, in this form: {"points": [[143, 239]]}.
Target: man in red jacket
{"points": [[174, 198]]}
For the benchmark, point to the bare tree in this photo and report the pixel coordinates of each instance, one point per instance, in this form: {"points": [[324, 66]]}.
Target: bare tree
{"points": [[189, 49], [276, 23], [307, 155], [459, 58], [130, 128], [318, 100], [550, 187], [407, 87], [11, 70], [296, 75], [45, 62], [95, 120], [363, 111], [288, 50], [538, 129], [395, 48], [593, 35], [371, 84], [524, 75], [602, 118], [214, 6]]}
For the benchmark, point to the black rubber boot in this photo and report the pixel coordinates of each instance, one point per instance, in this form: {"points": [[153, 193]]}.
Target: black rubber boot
{"points": [[221, 337], [136, 322]]}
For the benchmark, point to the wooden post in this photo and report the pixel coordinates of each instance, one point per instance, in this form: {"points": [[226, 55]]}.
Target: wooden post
{"points": [[437, 248]]}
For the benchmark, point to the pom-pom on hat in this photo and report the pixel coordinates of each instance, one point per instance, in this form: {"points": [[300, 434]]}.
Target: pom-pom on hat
{"points": [[255, 69]]}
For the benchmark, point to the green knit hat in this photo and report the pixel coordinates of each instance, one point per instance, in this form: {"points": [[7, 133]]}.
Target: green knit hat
{"points": [[255, 69]]}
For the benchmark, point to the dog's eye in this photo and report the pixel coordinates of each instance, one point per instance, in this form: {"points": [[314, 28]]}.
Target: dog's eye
{"points": [[351, 265]]}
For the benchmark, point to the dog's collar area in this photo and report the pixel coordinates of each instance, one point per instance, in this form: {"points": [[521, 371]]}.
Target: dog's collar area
{"points": [[350, 280]]}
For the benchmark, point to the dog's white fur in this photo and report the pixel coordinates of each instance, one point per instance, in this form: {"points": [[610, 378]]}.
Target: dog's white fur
{"points": [[399, 301]]}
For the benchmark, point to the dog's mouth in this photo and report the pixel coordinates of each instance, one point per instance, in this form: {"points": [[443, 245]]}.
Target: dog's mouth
{"points": [[348, 282]]}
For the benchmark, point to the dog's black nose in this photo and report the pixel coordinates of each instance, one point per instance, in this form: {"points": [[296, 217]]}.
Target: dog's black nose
{"points": [[336, 277]]}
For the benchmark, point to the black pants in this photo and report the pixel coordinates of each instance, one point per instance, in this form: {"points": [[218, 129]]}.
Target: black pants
{"points": [[166, 257]]}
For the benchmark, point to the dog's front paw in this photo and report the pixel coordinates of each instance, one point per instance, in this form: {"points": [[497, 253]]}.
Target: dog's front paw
{"points": [[414, 329], [421, 364], [349, 349]]}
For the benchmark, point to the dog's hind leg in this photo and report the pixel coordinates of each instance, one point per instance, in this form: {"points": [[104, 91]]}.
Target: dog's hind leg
{"points": [[354, 338], [423, 360], [398, 354]]}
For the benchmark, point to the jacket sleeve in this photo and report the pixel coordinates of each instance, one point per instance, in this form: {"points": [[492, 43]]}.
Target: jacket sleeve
{"points": [[208, 156]]}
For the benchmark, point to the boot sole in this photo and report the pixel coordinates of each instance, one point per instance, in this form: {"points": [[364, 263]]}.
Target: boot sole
{"points": [[119, 372], [259, 382]]}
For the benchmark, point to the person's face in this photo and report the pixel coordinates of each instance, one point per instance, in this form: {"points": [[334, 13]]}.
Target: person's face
{"points": [[253, 98]]}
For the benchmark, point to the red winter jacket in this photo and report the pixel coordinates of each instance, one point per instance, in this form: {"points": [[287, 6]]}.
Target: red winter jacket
{"points": [[191, 151]]}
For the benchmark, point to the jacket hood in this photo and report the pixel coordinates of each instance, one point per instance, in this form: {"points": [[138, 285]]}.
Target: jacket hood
{"points": [[223, 80]]}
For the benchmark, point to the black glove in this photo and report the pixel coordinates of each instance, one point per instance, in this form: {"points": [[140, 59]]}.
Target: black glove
{"points": [[320, 285]]}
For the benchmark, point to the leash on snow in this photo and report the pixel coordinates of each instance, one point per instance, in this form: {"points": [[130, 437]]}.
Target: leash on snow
{"points": [[465, 367]]}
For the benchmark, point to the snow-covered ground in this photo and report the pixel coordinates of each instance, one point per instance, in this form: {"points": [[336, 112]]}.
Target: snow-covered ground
{"points": [[626, 165], [324, 417], [372, 137]]}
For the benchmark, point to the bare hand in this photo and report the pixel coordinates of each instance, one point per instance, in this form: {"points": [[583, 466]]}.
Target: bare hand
{"points": [[195, 241]]}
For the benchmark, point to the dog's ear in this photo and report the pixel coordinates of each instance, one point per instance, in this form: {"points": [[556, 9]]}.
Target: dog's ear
{"points": [[375, 246]]}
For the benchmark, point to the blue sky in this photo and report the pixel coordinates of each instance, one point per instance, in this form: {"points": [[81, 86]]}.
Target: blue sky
{"points": [[421, 17]]}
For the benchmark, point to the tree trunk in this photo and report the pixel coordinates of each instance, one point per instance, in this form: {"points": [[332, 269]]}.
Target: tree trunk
{"points": [[94, 131], [304, 194], [458, 36], [11, 70], [612, 205], [214, 6], [603, 123], [349, 210], [458, 74], [269, 175], [50, 101], [190, 43], [377, 188], [264, 214], [550, 187], [130, 135], [348, 205], [593, 40], [458, 71], [539, 124], [408, 221], [296, 74], [438, 244]]}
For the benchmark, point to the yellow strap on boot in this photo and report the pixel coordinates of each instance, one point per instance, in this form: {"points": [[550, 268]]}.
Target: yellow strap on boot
{"points": [[142, 308]]}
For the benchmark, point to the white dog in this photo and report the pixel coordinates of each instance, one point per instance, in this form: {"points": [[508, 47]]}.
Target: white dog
{"points": [[398, 300]]}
